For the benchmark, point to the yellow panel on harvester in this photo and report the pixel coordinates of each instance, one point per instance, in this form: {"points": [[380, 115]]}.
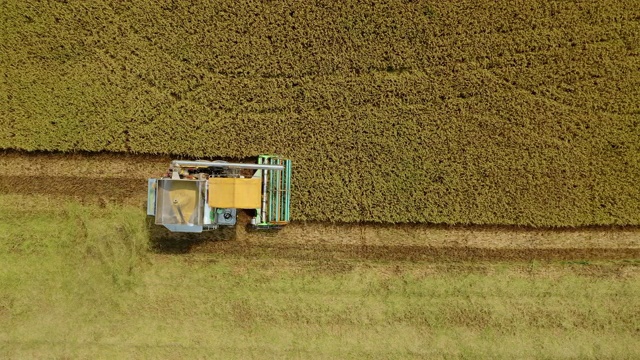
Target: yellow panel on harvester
{"points": [[235, 193]]}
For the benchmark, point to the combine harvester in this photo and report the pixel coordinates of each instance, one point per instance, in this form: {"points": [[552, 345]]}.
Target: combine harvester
{"points": [[196, 196]]}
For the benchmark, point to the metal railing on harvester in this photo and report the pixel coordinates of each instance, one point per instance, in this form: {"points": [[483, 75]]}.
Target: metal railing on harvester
{"points": [[276, 202]]}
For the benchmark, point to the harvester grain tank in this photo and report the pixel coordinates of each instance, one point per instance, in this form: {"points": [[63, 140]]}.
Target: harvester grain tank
{"points": [[196, 196]]}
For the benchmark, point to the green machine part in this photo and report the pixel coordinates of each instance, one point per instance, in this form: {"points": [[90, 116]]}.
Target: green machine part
{"points": [[277, 211]]}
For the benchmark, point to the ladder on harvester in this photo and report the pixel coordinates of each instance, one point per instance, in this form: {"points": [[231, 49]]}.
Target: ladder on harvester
{"points": [[276, 193]]}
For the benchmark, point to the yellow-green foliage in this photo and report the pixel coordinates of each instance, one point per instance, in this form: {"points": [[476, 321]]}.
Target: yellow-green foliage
{"points": [[397, 111]]}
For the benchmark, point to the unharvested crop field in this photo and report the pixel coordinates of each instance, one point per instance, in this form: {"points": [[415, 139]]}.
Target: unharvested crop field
{"points": [[450, 112]]}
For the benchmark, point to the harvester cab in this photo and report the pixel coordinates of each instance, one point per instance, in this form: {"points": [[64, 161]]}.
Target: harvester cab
{"points": [[196, 196]]}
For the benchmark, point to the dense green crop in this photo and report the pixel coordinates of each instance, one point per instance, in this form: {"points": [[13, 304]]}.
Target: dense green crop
{"points": [[393, 111]]}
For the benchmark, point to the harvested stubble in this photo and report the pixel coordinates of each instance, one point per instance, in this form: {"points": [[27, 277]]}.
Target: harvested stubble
{"points": [[393, 111]]}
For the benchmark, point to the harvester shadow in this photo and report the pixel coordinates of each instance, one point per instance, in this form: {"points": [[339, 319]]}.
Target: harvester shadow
{"points": [[163, 241]]}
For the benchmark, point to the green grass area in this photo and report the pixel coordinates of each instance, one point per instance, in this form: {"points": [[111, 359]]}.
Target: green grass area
{"points": [[461, 112], [80, 281]]}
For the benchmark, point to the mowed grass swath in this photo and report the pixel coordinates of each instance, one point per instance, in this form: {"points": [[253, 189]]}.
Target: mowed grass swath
{"points": [[83, 283], [392, 111]]}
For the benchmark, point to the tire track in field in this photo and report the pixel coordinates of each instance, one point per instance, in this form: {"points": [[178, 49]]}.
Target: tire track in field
{"points": [[330, 252]]}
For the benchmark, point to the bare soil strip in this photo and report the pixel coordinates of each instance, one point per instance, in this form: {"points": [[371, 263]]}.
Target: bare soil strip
{"points": [[116, 190], [330, 252]]}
